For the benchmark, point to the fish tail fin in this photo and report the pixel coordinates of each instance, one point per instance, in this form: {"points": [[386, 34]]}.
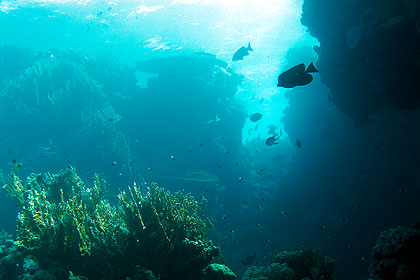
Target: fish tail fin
{"points": [[311, 68], [249, 48]]}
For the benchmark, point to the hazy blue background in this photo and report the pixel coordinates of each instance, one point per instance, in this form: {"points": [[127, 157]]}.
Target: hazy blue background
{"points": [[339, 191]]}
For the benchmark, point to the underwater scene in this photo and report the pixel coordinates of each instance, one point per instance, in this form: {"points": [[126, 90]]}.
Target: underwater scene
{"points": [[210, 139]]}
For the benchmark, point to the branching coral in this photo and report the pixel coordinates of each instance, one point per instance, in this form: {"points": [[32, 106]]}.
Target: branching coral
{"points": [[159, 221], [64, 220], [61, 217]]}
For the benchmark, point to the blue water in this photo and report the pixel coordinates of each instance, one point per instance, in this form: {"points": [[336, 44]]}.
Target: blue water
{"points": [[177, 123]]}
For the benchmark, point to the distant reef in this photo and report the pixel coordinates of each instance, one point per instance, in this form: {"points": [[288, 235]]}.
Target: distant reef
{"points": [[98, 113], [369, 54]]}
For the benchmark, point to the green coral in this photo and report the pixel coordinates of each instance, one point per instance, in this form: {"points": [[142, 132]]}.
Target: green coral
{"points": [[64, 220], [295, 264], [174, 216], [61, 215], [159, 221]]}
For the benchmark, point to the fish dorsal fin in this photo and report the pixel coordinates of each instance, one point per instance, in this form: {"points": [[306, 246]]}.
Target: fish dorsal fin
{"points": [[311, 68], [249, 47]]}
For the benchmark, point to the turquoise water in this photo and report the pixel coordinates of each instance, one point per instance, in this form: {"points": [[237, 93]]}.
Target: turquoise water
{"points": [[147, 91]]}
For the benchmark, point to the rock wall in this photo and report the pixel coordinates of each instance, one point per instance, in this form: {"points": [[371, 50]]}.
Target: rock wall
{"points": [[369, 54]]}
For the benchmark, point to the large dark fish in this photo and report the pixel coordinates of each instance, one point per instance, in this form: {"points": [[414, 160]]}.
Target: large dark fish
{"points": [[272, 140], [297, 76], [249, 259], [243, 51], [255, 117]]}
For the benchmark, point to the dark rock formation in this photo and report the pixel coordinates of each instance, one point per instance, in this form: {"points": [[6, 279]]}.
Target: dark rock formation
{"points": [[396, 255], [300, 263], [369, 54]]}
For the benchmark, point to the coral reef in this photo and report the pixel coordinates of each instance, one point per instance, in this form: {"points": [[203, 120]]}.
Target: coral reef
{"points": [[369, 53], [66, 228], [294, 264], [396, 255], [53, 101], [50, 99]]}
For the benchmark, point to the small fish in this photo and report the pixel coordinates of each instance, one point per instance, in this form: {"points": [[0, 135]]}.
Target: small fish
{"points": [[100, 13], [272, 130], [271, 141], [296, 76], [172, 157], [249, 259], [243, 51], [284, 213], [298, 143], [255, 117], [114, 163]]}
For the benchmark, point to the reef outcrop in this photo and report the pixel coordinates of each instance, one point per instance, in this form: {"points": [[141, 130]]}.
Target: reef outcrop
{"points": [[368, 54], [294, 264], [396, 255], [123, 120], [67, 230]]}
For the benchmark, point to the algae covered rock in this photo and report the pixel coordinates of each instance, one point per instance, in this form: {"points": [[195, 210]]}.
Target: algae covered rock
{"points": [[142, 273], [396, 255], [217, 271], [294, 264]]}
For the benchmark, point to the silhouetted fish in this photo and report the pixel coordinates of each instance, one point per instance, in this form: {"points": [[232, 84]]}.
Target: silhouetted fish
{"points": [[296, 76], [243, 51], [271, 141], [249, 259], [255, 117], [298, 143]]}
